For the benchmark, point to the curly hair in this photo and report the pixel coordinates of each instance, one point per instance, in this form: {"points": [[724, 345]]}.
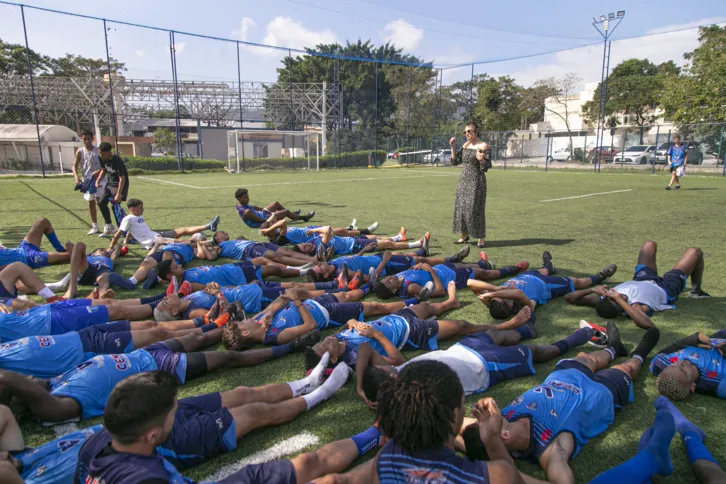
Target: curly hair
{"points": [[417, 409], [383, 292], [671, 388], [233, 339], [498, 309]]}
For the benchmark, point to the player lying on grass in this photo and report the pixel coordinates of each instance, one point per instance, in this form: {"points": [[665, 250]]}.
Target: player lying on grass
{"points": [[647, 292], [281, 234], [49, 356], [420, 413], [692, 364], [325, 240], [135, 225], [82, 391], [255, 217], [292, 315], [181, 252], [550, 423], [412, 328], [29, 253], [436, 278], [17, 275], [480, 360], [243, 249], [653, 457], [236, 273], [142, 414]]}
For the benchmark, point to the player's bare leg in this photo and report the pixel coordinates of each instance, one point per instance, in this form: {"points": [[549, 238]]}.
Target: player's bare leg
{"points": [[78, 265]]}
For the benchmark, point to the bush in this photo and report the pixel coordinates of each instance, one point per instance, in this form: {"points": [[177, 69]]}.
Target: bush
{"points": [[580, 154], [171, 163]]}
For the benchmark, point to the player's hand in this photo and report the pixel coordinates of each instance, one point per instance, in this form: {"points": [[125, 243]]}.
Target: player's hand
{"points": [[212, 288], [366, 330], [704, 342], [5, 309], [362, 396], [452, 142], [600, 290], [614, 295], [291, 294], [485, 297], [423, 267], [489, 417], [76, 180], [117, 198]]}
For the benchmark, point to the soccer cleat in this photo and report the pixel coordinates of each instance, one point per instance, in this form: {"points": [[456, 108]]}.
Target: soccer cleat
{"points": [[608, 271], [699, 293], [173, 286], [600, 338], [329, 253], [310, 215], [108, 230], [484, 261], [373, 227], [152, 279], [678, 187], [523, 266], [185, 289], [55, 299], [462, 254], [214, 223], [305, 341], [668, 187], [372, 278], [343, 277], [93, 294], [297, 212], [94, 230], [425, 244], [320, 253], [614, 340], [546, 260], [425, 291], [402, 234], [356, 282], [353, 225]]}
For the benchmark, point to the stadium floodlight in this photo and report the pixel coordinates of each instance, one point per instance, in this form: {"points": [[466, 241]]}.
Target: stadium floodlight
{"points": [[611, 15], [621, 13], [602, 18]]}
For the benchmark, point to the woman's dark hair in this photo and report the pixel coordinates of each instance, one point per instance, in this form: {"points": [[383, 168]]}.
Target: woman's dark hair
{"points": [[373, 378], [498, 309], [606, 309], [417, 410], [476, 126], [475, 449], [138, 404], [383, 292]]}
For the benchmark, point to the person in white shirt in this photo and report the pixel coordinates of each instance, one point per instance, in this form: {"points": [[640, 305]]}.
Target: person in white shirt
{"points": [[135, 225], [87, 176]]}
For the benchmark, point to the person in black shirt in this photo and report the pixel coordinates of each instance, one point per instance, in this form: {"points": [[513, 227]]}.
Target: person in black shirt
{"points": [[117, 186]]}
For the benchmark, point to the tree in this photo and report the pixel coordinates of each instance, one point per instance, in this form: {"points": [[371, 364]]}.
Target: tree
{"points": [[14, 62], [165, 140], [555, 95], [76, 66]]}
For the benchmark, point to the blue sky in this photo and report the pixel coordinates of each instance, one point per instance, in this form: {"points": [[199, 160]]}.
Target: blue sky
{"points": [[442, 32]]}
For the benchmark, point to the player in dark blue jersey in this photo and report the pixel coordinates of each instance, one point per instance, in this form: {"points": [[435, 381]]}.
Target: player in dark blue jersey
{"points": [[236, 273], [693, 364], [29, 253], [82, 391], [550, 423], [243, 249], [18, 276], [421, 415], [255, 217]]}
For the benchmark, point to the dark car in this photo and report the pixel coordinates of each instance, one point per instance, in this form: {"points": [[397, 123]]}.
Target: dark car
{"points": [[695, 155], [605, 153]]}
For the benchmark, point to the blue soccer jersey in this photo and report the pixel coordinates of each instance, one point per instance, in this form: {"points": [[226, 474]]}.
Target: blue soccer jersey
{"points": [[343, 245], [393, 327], [42, 356], [249, 295], [224, 275], [532, 286], [30, 322], [567, 401], [421, 277], [677, 154], [235, 249], [298, 235], [91, 382], [711, 366], [54, 462], [184, 250], [362, 263], [8, 256], [100, 261], [289, 317]]}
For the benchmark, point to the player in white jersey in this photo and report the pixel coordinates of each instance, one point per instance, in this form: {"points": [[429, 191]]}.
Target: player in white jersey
{"points": [[86, 174]]}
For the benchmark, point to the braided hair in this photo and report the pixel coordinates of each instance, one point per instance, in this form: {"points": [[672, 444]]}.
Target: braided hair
{"points": [[417, 409], [671, 388], [233, 339]]}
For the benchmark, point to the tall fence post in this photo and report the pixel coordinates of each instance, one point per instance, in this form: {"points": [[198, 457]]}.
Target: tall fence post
{"points": [[433, 125], [375, 123], [114, 120], [32, 90], [200, 151], [239, 104], [721, 152], [292, 112], [547, 151], [408, 131], [172, 51], [654, 158]]}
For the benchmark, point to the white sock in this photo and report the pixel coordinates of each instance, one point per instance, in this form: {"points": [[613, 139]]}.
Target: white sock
{"points": [[303, 272], [397, 238], [312, 381], [331, 385], [414, 245], [133, 280], [46, 293], [94, 225], [61, 285]]}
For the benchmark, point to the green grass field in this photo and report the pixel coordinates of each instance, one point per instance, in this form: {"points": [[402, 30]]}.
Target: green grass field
{"points": [[583, 235]]}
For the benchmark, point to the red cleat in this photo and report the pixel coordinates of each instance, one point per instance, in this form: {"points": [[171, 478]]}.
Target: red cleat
{"points": [[483, 256], [523, 266], [55, 299], [173, 286], [356, 282], [185, 289], [402, 234]]}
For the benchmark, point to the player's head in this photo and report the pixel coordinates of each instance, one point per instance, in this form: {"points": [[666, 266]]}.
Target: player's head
{"points": [[169, 309], [423, 407], [242, 196], [500, 308], [677, 380], [305, 248], [239, 336], [141, 409], [607, 308], [321, 272], [331, 345], [374, 377], [388, 287], [166, 269], [105, 151], [87, 136], [677, 139], [220, 236], [136, 206], [471, 130]]}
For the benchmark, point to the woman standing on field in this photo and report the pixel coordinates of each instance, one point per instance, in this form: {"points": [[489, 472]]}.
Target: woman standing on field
{"points": [[471, 194]]}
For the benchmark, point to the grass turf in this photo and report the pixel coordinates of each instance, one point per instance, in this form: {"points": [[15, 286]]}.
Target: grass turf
{"points": [[583, 234]]}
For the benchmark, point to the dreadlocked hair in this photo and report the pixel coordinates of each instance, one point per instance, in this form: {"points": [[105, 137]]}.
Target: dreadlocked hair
{"points": [[417, 410], [233, 339], [671, 388]]}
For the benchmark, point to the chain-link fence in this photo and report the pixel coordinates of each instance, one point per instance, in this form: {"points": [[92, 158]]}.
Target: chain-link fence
{"points": [[176, 101]]}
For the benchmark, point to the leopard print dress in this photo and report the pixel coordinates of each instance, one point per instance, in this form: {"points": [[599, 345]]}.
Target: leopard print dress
{"points": [[471, 196]]}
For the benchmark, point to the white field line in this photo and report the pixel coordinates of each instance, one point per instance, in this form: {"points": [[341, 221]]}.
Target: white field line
{"points": [[289, 446], [296, 182], [586, 195]]}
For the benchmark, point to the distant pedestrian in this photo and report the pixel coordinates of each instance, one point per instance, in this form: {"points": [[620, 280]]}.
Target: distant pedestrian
{"points": [[677, 158], [86, 174], [117, 185]]}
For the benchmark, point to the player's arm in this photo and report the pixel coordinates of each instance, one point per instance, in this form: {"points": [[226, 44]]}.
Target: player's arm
{"points": [[515, 295], [280, 224], [76, 168], [363, 474], [367, 248], [384, 261], [114, 239], [699, 340], [309, 324], [439, 289], [367, 356], [8, 473], [478, 287], [583, 297], [635, 312], [394, 357], [204, 252], [121, 184], [668, 156], [555, 460], [101, 173], [252, 215], [685, 155]]}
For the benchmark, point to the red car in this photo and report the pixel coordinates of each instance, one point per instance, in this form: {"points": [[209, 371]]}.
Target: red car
{"points": [[607, 154]]}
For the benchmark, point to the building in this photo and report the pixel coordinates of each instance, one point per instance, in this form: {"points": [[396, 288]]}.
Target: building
{"points": [[19, 148]]}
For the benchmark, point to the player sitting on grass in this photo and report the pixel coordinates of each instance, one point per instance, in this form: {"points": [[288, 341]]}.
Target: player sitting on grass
{"points": [[243, 249], [692, 364], [421, 413], [413, 328], [480, 360], [647, 292], [551, 422], [292, 315], [255, 217], [281, 234], [16, 276], [29, 253], [236, 273], [82, 391], [135, 225]]}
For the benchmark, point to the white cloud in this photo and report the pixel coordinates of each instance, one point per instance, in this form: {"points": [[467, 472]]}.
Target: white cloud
{"points": [[245, 26], [140, 53], [288, 32], [403, 35]]}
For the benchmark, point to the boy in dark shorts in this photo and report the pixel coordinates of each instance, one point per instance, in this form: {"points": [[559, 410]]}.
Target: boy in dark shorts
{"points": [[82, 391], [29, 253], [647, 292], [255, 217], [234, 274], [243, 249]]}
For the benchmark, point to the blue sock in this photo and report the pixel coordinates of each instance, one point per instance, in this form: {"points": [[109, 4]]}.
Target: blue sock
{"points": [[411, 302], [53, 239], [508, 271], [280, 350], [366, 288], [120, 281], [326, 285], [695, 448], [596, 279], [206, 328], [199, 322], [450, 260], [639, 469], [153, 300], [578, 338], [549, 267], [367, 440]]}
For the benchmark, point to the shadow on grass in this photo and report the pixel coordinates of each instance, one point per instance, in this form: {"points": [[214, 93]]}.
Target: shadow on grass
{"points": [[520, 242], [70, 212], [701, 189]]}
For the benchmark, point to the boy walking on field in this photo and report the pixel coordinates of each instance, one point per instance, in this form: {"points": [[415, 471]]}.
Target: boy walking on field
{"points": [[677, 158]]}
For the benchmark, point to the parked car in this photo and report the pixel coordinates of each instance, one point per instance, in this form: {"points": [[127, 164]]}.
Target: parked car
{"points": [[562, 154], [695, 155], [606, 155], [636, 155], [438, 156]]}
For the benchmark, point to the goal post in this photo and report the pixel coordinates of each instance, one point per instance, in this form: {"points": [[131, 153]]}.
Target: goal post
{"points": [[248, 149]]}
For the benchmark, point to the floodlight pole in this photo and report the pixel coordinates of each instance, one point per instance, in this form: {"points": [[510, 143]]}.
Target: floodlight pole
{"points": [[605, 32]]}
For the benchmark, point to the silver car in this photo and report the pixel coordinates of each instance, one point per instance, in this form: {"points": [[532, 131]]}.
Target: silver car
{"points": [[439, 156], [636, 155]]}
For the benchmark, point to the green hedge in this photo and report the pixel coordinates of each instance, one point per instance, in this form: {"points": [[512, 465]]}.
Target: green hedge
{"points": [[169, 163]]}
